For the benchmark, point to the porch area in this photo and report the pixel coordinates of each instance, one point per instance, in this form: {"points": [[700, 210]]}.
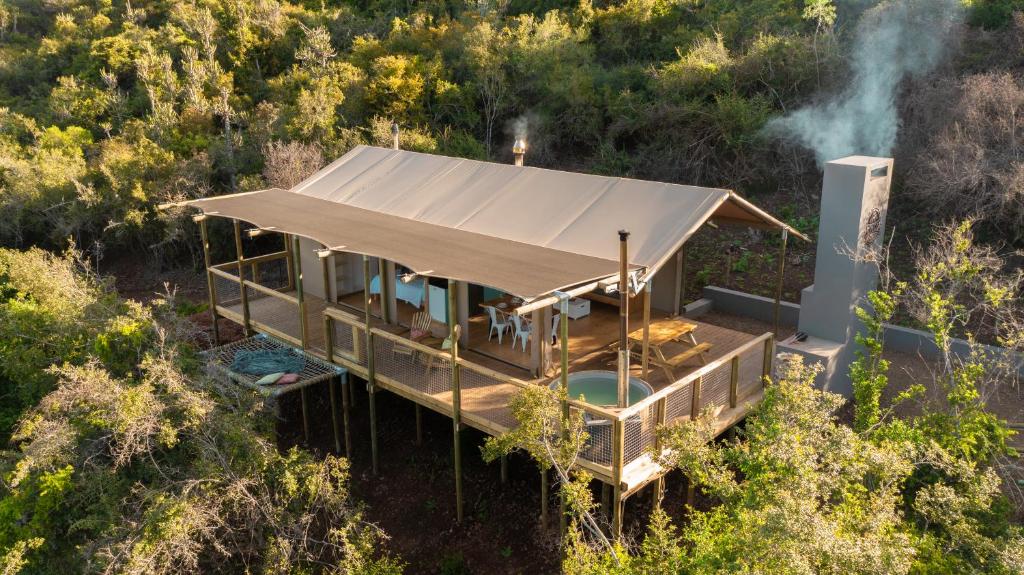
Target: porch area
{"points": [[622, 440]]}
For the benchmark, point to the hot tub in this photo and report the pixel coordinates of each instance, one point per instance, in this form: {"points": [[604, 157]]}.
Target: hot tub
{"points": [[599, 387]]}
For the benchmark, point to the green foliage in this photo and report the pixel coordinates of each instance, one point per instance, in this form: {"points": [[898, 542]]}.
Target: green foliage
{"points": [[128, 459]]}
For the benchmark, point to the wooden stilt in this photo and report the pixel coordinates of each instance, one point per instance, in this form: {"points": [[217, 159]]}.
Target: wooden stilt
{"points": [[618, 447], [606, 499], [305, 414], [371, 387], [332, 389], [211, 285], [661, 414], [300, 295], [419, 424], [544, 496], [346, 386], [504, 469], [778, 280], [453, 335]]}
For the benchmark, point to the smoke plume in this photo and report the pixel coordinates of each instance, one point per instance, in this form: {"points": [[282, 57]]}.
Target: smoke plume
{"points": [[893, 40]]}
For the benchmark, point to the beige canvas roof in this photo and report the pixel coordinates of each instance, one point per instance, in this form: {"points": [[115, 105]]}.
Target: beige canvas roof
{"points": [[528, 231]]}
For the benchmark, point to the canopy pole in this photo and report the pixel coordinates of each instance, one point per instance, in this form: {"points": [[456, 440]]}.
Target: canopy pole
{"points": [[241, 279], [623, 380], [647, 328], [211, 285], [779, 279], [371, 386], [453, 338]]}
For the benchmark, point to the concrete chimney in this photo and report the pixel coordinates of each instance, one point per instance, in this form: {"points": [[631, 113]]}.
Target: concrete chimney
{"points": [[854, 201], [519, 151]]}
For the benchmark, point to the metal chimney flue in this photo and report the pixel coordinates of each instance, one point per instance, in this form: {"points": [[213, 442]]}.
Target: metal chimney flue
{"points": [[519, 151], [395, 135]]}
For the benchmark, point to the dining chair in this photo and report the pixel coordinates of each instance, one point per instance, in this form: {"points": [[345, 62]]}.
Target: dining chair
{"points": [[499, 324], [522, 330]]}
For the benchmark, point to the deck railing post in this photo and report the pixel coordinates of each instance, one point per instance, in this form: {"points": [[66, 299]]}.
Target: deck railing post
{"points": [[453, 337], [329, 354], [371, 386], [734, 381], [779, 279], [660, 410], [695, 403], [211, 285], [766, 367], [241, 278], [300, 295], [618, 453]]}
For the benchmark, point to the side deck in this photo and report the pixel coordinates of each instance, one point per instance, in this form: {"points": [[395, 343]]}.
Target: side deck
{"points": [[622, 441]]}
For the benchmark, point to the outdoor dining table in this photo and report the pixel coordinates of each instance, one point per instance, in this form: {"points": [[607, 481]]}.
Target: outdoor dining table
{"points": [[503, 304], [665, 331]]}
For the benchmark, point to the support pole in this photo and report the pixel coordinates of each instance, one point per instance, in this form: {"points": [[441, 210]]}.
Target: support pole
{"points": [[734, 381], [325, 268], [645, 354], [778, 280], [300, 294], [371, 386], [543, 496], [453, 336], [241, 279], [385, 290], [504, 469], [677, 302], [211, 285], [563, 336], [623, 378]]}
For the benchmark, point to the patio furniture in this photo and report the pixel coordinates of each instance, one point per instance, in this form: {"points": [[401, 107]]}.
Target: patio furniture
{"points": [[578, 307], [522, 330], [499, 324], [661, 333]]}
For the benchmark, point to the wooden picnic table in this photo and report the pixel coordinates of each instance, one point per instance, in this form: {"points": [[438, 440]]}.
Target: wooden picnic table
{"points": [[663, 332]]}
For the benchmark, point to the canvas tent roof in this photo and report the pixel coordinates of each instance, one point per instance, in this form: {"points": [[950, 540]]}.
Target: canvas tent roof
{"points": [[524, 230]]}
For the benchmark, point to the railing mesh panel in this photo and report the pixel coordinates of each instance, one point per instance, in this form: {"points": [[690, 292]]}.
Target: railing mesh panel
{"points": [[228, 292], [640, 431], [751, 367], [273, 274], [417, 369], [273, 312], [679, 403], [714, 389], [598, 447], [349, 342]]}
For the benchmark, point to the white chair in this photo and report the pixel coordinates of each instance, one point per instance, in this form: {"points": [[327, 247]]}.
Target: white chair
{"points": [[522, 330], [497, 325]]}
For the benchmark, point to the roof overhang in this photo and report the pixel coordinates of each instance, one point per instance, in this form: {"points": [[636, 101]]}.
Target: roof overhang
{"points": [[527, 231]]}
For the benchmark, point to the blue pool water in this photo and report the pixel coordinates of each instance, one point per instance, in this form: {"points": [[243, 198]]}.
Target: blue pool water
{"points": [[599, 387]]}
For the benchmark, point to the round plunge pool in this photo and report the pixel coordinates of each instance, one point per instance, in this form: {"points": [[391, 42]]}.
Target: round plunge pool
{"points": [[599, 387]]}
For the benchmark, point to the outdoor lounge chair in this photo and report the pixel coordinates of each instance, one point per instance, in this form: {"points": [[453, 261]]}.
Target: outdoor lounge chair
{"points": [[499, 326]]}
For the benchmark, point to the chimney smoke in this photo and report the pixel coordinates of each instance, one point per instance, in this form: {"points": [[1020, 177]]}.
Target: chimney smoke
{"points": [[519, 151]]}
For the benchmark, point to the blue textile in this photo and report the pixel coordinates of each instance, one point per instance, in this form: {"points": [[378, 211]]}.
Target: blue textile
{"points": [[265, 361]]}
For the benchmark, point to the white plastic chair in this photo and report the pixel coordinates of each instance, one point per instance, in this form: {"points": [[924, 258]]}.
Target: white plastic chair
{"points": [[522, 330], [499, 326]]}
